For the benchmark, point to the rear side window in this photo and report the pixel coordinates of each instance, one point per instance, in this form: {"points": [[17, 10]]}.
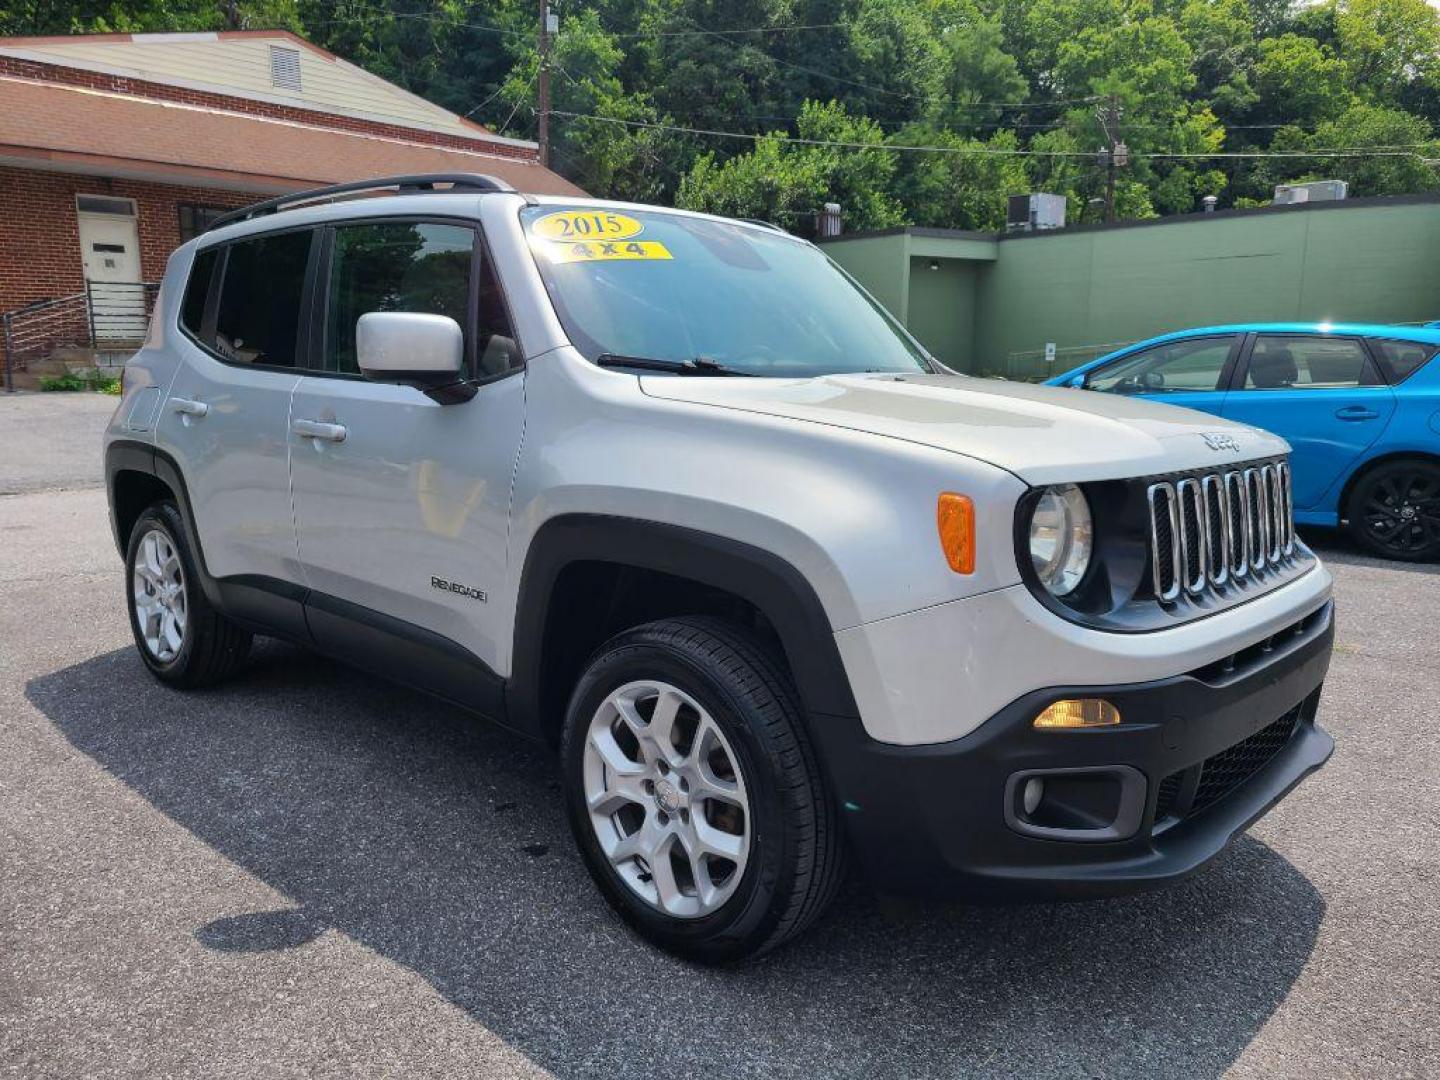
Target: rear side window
{"points": [[395, 266], [1309, 363], [192, 308], [1401, 359], [258, 318]]}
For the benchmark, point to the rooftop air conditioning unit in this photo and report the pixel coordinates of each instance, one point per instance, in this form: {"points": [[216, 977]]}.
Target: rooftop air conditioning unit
{"points": [[1036, 211], [1314, 191]]}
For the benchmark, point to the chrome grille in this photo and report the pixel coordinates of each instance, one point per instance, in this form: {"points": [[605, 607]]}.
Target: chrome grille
{"points": [[1214, 529]]}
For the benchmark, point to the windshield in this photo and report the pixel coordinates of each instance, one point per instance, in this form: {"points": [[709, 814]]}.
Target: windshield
{"points": [[667, 287]]}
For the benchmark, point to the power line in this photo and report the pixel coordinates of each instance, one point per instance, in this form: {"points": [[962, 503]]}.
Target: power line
{"points": [[747, 30], [1340, 152]]}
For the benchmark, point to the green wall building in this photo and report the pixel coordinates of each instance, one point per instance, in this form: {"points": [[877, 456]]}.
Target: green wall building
{"points": [[989, 304]]}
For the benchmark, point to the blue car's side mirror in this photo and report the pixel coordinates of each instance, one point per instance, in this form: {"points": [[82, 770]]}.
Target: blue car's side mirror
{"points": [[1078, 382]]}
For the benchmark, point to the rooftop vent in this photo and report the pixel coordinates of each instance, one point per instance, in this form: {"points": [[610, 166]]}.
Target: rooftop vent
{"points": [[1027, 213], [285, 68], [1314, 191]]}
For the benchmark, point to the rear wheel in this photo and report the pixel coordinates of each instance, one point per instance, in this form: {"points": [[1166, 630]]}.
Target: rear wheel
{"points": [[1394, 510], [693, 793], [181, 638]]}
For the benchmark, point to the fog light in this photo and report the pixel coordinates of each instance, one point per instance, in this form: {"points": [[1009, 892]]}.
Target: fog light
{"points": [[1079, 713], [1033, 793]]}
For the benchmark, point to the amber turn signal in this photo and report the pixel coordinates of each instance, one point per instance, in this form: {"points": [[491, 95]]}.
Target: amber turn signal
{"points": [[955, 518], [1078, 713]]}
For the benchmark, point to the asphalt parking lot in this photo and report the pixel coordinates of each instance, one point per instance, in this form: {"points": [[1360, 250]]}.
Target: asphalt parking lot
{"points": [[308, 872]]}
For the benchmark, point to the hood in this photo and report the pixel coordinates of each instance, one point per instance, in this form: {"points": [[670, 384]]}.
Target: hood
{"points": [[1042, 434]]}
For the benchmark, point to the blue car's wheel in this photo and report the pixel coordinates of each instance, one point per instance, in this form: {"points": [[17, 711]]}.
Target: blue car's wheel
{"points": [[1395, 510]]}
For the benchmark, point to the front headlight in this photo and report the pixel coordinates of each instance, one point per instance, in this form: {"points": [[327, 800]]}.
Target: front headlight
{"points": [[1062, 538]]}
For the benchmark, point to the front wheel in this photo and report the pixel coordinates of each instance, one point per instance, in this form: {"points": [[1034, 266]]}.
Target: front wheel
{"points": [[182, 639], [1394, 510], [693, 792]]}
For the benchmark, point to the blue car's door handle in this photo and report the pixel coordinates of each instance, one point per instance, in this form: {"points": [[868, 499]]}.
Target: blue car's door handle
{"points": [[1357, 412]]}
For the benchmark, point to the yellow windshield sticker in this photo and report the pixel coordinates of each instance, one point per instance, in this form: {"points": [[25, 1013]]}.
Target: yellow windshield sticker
{"points": [[587, 225], [596, 251]]}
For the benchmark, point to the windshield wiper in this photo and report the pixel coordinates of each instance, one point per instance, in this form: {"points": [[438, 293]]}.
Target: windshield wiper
{"points": [[699, 366]]}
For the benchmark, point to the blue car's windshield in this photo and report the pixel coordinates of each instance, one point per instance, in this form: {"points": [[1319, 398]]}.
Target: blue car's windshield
{"points": [[669, 287]]}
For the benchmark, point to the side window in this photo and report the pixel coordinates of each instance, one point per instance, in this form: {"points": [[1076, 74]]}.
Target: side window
{"points": [[1401, 359], [1308, 363], [197, 290], [258, 318], [395, 266], [1189, 366]]}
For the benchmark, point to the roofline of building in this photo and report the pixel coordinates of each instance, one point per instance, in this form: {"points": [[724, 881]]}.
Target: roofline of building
{"points": [[23, 48], [154, 172], [1141, 223], [178, 35], [43, 157]]}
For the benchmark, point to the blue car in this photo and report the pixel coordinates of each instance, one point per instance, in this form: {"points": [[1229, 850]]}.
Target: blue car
{"points": [[1359, 404]]}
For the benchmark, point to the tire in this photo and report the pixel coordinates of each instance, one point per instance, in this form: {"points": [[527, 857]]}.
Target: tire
{"points": [[1394, 510], [754, 751], [182, 639]]}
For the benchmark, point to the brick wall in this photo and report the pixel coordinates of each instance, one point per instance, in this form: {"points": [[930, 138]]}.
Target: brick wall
{"points": [[96, 80], [39, 229]]}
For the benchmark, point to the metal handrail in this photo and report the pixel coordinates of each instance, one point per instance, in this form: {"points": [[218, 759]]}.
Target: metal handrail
{"points": [[105, 309]]}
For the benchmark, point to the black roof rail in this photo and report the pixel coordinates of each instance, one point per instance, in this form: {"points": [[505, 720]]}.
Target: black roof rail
{"points": [[404, 185]]}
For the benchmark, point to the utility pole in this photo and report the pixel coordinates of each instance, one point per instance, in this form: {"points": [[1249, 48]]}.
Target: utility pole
{"points": [[1114, 154], [544, 79]]}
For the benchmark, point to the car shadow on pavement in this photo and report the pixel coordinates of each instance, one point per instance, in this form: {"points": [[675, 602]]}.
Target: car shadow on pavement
{"points": [[440, 843], [1336, 545]]}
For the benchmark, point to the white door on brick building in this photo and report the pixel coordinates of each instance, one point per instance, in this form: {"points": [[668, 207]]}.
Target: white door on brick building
{"points": [[110, 251]]}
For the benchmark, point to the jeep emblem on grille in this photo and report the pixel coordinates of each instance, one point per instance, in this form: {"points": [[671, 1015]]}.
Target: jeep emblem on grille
{"points": [[1218, 440]]}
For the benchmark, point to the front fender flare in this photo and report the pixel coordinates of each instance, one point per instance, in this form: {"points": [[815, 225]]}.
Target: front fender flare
{"points": [[774, 586]]}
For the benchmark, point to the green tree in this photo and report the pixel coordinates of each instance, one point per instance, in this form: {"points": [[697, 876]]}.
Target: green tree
{"points": [[976, 71], [1402, 145], [966, 189], [617, 155], [1387, 43], [1301, 81], [788, 182]]}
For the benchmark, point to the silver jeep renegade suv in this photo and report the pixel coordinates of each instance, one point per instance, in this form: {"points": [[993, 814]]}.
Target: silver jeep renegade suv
{"points": [[671, 494]]}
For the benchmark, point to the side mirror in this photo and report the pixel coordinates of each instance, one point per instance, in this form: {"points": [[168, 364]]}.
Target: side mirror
{"points": [[414, 349], [1077, 383]]}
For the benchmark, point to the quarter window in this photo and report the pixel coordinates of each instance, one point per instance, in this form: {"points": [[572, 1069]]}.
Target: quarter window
{"points": [[197, 290], [258, 319], [1401, 359], [1308, 363], [1177, 367], [395, 266]]}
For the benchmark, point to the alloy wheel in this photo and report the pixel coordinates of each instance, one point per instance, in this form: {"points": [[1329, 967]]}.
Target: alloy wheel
{"points": [[666, 798], [158, 583], [1402, 513]]}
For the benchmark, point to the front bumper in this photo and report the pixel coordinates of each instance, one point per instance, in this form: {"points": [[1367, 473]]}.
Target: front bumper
{"points": [[1197, 758]]}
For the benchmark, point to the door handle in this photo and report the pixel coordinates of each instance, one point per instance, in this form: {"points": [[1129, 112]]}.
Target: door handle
{"points": [[1357, 412], [318, 429], [187, 407]]}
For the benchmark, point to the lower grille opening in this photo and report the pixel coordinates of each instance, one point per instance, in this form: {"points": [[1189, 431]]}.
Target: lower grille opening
{"points": [[1222, 773], [1168, 795]]}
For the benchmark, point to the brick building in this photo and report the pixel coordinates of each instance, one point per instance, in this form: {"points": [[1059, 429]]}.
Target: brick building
{"points": [[116, 148]]}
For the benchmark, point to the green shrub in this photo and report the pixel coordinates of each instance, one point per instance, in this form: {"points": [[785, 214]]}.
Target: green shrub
{"points": [[69, 381], [85, 380]]}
